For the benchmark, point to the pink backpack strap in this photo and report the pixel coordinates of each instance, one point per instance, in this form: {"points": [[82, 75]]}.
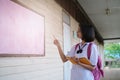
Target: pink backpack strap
{"points": [[76, 46], [99, 64], [89, 50]]}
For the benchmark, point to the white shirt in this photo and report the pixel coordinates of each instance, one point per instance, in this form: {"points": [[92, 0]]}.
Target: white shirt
{"points": [[78, 72]]}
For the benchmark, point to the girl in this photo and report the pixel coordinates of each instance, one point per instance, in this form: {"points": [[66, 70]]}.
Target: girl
{"points": [[81, 71]]}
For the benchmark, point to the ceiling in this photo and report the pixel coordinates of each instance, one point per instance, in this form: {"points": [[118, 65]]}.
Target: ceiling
{"points": [[107, 25]]}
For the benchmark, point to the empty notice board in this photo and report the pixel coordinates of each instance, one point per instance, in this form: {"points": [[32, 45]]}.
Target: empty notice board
{"points": [[21, 31]]}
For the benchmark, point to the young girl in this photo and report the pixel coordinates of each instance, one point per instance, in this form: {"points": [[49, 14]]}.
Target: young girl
{"points": [[81, 71]]}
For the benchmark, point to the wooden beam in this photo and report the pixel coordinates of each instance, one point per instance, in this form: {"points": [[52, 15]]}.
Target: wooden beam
{"points": [[112, 38]]}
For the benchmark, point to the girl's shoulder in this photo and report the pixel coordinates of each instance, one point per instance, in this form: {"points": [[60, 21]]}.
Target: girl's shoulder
{"points": [[93, 44]]}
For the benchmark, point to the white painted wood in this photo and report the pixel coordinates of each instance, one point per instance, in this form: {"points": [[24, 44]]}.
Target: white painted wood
{"points": [[49, 67], [67, 46]]}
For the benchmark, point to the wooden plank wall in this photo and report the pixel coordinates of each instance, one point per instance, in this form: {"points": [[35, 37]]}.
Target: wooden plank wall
{"points": [[48, 67]]}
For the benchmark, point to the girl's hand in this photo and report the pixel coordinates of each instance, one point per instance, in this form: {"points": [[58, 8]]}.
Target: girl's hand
{"points": [[63, 57], [56, 42], [75, 59]]}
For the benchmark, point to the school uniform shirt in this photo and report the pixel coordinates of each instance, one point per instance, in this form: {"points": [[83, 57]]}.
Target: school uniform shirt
{"points": [[78, 72]]}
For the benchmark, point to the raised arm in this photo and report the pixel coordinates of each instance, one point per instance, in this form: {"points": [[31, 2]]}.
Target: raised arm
{"points": [[63, 57]]}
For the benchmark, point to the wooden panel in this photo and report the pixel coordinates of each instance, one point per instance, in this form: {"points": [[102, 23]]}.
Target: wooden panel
{"points": [[49, 67]]}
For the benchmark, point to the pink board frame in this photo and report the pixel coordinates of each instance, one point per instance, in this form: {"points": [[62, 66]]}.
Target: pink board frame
{"points": [[21, 31]]}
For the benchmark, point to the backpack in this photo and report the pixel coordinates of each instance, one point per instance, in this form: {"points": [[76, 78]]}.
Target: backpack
{"points": [[97, 72]]}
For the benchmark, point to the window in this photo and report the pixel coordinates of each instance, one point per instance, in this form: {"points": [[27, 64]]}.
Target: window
{"points": [[66, 18]]}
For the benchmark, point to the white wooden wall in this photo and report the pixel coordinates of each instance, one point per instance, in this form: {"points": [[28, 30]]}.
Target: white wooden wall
{"points": [[49, 67]]}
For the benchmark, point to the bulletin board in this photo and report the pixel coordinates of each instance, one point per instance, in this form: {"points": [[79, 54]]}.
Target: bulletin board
{"points": [[21, 31]]}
